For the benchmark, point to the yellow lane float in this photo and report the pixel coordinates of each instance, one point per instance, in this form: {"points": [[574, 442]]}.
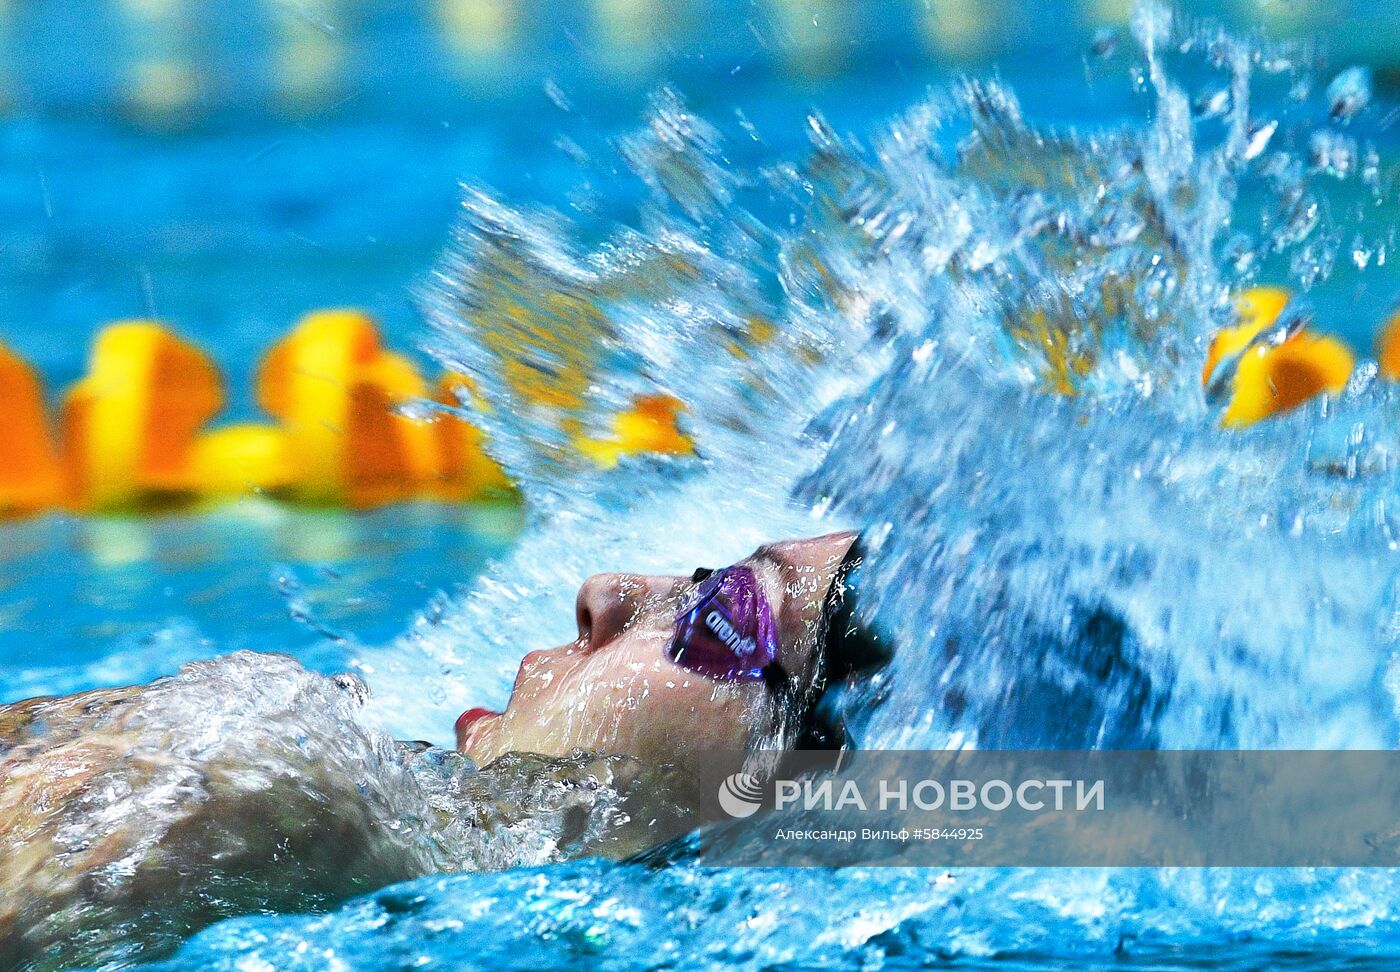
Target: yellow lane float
{"points": [[1256, 309], [465, 472], [1274, 380], [1269, 378], [336, 391], [30, 476], [128, 428], [245, 459], [650, 425]]}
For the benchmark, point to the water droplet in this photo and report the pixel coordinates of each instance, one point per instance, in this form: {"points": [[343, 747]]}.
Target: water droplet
{"points": [[556, 95], [1258, 140], [1349, 93], [1105, 42], [1332, 153], [1212, 104], [1360, 254]]}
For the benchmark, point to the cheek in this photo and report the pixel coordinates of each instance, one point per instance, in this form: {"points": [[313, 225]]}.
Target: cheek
{"points": [[650, 709], [615, 685], [683, 712], [565, 694], [626, 698]]}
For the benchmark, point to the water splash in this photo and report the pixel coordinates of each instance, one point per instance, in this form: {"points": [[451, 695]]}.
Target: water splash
{"points": [[244, 784], [751, 919], [877, 330]]}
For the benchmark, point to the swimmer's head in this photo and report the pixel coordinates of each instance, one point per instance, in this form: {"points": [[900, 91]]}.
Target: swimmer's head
{"points": [[667, 668]]}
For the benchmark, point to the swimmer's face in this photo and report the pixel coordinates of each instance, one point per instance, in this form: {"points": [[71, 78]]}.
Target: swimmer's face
{"points": [[615, 689]]}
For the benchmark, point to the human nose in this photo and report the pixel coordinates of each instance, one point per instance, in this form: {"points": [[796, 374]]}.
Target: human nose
{"points": [[608, 603]]}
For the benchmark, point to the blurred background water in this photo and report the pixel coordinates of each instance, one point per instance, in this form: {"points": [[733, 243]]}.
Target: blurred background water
{"points": [[228, 164]]}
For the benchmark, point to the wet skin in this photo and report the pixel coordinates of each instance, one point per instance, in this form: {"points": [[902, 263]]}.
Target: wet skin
{"points": [[615, 689], [234, 836]]}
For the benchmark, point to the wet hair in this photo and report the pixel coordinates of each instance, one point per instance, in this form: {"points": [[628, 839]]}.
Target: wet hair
{"points": [[848, 649]]}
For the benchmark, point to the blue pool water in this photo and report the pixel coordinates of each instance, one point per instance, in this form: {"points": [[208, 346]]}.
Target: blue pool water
{"points": [[1258, 583], [120, 600], [239, 205]]}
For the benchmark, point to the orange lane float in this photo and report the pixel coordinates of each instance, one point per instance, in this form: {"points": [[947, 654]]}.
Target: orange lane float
{"points": [[132, 431], [465, 472], [651, 425], [1388, 348], [128, 428], [1270, 378], [336, 391], [30, 476]]}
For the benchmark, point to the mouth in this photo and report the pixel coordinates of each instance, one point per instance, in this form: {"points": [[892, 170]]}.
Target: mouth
{"points": [[466, 721]]}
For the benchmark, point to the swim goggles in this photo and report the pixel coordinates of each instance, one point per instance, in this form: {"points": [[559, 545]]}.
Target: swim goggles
{"points": [[725, 629]]}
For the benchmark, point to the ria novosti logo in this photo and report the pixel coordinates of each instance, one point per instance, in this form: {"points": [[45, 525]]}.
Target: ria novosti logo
{"points": [[741, 794]]}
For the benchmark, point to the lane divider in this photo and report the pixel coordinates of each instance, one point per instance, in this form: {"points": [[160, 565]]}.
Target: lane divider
{"points": [[31, 478], [131, 434], [1267, 363]]}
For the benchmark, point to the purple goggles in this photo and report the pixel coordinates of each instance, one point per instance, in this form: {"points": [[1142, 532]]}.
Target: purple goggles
{"points": [[725, 629]]}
